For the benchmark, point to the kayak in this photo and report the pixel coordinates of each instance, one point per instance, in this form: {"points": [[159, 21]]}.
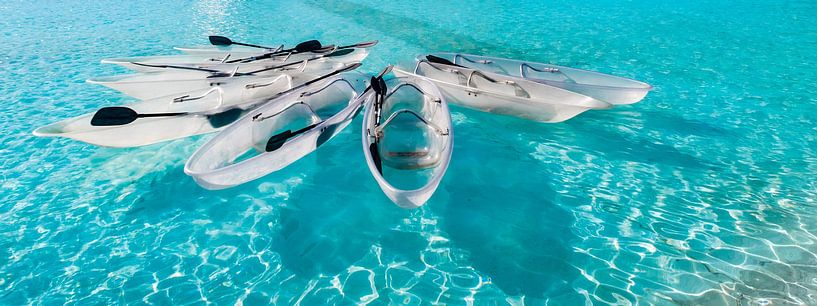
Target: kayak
{"points": [[146, 86], [211, 109], [156, 84], [501, 94], [611, 89], [407, 139], [222, 63], [235, 50], [276, 134]]}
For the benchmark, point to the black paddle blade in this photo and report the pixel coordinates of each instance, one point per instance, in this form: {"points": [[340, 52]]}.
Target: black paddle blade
{"points": [[376, 157], [440, 60], [277, 141], [220, 41], [341, 52], [224, 118], [378, 85], [115, 115], [308, 45]]}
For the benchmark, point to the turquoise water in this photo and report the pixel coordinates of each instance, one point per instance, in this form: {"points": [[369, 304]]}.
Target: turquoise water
{"points": [[704, 193]]}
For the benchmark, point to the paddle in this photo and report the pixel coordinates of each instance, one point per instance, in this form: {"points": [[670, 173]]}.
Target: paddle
{"points": [[440, 60], [365, 44], [379, 87], [121, 115], [277, 141], [224, 41], [333, 54], [177, 67], [307, 46], [217, 73]]}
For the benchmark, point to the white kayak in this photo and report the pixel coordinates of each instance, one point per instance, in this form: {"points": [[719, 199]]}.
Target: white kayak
{"points": [[277, 133], [209, 110], [156, 84], [501, 94], [223, 63], [407, 139], [235, 50], [605, 87]]}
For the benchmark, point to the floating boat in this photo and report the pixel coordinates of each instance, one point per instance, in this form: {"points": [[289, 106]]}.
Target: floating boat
{"points": [[611, 89], [157, 84], [502, 94], [167, 118], [170, 117], [220, 45], [276, 134], [407, 139], [228, 63], [210, 50]]}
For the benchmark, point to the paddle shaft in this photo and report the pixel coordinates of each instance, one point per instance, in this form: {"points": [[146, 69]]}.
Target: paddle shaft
{"points": [[268, 55], [159, 115]]}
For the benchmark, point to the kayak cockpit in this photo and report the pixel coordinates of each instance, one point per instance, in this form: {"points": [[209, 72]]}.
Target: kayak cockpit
{"points": [[407, 140]]}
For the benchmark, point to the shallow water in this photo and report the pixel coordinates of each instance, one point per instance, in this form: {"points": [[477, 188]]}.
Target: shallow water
{"points": [[704, 193]]}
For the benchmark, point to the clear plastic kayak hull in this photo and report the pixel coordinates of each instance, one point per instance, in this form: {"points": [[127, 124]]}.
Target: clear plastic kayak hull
{"points": [[211, 109], [409, 135], [608, 88], [218, 62], [221, 50], [156, 84], [320, 111], [500, 94]]}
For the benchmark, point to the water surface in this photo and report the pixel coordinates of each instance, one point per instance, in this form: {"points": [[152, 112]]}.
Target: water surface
{"points": [[703, 194]]}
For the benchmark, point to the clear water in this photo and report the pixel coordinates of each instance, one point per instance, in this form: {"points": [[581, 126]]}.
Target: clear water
{"points": [[704, 193]]}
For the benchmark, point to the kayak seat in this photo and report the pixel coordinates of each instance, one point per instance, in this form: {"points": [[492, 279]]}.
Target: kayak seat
{"points": [[410, 160], [409, 147]]}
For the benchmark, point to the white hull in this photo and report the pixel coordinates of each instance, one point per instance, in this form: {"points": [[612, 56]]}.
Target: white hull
{"points": [[211, 114], [215, 62], [212, 166], [611, 89], [145, 86], [432, 108], [523, 99], [210, 50]]}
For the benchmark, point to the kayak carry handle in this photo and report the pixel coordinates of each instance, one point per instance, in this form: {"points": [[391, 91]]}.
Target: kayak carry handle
{"points": [[309, 93], [275, 80], [258, 118], [518, 90], [186, 98], [523, 73], [484, 62], [435, 99], [378, 130]]}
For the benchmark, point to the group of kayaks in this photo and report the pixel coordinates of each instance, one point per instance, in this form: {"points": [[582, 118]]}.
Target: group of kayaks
{"points": [[272, 106]]}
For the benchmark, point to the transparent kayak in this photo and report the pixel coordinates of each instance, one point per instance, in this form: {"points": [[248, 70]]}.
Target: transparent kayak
{"points": [[222, 62], [209, 110], [604, 87], [407, 140], [501, 94], [156, 84], [277, 134], [221, 50]]}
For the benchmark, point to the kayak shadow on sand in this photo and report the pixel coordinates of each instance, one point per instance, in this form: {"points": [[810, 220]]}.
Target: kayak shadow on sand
{"points": [[513, 229], [331, 221]]}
